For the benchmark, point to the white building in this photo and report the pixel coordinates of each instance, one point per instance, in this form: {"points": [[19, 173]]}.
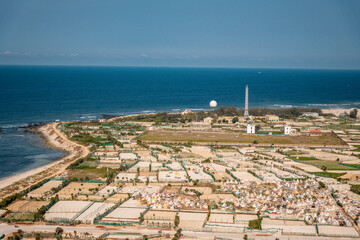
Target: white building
{"points": [[250, 129], [310, 114], [287, 129], [208, 120]]}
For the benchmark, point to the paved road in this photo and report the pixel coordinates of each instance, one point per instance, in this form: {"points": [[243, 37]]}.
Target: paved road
{"points": [[97, 231]]}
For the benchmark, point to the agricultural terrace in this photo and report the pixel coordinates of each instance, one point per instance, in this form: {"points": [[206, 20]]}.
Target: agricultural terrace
{"points": [[236, 137], [330, 165]]}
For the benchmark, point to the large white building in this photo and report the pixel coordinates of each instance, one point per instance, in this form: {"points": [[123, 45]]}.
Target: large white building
{"points": [[250, 129]]}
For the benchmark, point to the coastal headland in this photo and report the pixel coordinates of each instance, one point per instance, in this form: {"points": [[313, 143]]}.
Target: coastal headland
{"points": [[53, 138]]}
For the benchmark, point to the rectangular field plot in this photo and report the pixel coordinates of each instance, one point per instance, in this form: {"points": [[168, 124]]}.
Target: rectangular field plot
{"points": [[330, 165], [124, 214], [66, 210], [45, 190], [75, 188], [93, 211], [26, 206]]}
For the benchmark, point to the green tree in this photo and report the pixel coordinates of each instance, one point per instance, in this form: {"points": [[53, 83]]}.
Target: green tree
{"points": [[177, 221], [58, 233], [235, 119], [353, 113], [37, 236]]}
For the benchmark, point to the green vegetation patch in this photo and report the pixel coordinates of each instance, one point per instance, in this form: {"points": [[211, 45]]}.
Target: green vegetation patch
{"points": [[90, 173], [343, 126], [330, 165], [355, 189], [304, 158], [329, 174], [236, 137], [255, 224], [21, 216], [292, 152]]}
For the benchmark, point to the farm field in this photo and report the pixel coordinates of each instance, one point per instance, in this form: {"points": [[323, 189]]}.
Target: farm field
{"points": [[330, 165], [235, 137], [90, 173]]}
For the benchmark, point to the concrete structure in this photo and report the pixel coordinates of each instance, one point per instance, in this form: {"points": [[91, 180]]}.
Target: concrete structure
{"points": [[272, 118], [246, 112], [208, 120], [310, 114], [250, 129], [287, 129], [213, 104]]}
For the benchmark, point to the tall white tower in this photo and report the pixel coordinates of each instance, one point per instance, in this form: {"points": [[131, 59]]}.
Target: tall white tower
{"points": [[246, 112]]}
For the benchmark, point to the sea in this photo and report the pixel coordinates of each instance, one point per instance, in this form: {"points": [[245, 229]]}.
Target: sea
{"points": [[31, 94]]}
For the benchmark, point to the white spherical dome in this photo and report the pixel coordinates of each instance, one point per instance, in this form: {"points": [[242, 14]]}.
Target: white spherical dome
{"points": [[213, 104]]}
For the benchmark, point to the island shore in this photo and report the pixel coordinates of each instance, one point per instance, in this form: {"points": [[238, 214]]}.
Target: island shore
{"points": [[53, 138]]}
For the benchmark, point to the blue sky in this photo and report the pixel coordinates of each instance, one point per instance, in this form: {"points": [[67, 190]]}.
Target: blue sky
{"points": [[185, 33]]}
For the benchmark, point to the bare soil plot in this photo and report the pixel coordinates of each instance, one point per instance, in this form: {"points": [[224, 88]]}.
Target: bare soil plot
{"points": [[26, 206]]}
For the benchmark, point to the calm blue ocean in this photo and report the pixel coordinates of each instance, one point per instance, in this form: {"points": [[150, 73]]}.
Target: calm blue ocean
{"points": [[47, 93]]}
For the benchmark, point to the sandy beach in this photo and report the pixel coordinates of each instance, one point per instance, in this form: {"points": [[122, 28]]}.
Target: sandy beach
{"points": [[338, 111], [54, 138]]}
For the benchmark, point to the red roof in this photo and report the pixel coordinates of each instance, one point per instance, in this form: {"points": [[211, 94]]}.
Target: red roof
{"points": [[315, 131]]}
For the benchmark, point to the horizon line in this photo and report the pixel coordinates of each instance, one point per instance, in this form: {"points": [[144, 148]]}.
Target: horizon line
{"points": [[204, 67]]}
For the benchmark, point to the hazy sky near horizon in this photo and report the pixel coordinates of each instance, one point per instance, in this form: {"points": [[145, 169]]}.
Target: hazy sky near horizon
{"points": [[189, 33]]}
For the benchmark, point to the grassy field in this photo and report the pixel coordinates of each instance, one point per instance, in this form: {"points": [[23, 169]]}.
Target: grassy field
{"points": [[329, 174], [304, 158], [21, 216], [91, 173], [232, 137], [293, 152], [330, 165]]}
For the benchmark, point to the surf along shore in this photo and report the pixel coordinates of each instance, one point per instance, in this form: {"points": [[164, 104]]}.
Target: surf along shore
{"points": [[53, 138]]}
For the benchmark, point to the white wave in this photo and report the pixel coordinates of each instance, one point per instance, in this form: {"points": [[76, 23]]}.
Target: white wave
{"points": [[283, 105], [5, 126], [148, 111]]}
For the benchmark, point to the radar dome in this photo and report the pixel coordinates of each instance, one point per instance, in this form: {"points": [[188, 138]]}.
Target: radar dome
{"points": [[213, 104]]}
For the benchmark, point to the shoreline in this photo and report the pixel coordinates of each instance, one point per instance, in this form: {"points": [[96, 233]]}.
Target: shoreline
{"points": [[55, 139]]}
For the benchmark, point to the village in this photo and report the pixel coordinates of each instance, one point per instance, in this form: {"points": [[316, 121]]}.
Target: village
{"points": [[141, 174]]}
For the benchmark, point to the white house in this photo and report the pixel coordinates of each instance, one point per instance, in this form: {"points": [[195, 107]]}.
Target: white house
{"points": [[208, 120], [250, 129], [287, 129]]}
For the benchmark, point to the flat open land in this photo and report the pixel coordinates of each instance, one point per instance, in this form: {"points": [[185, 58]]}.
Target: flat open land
{"points": [[236, 138], [330, 165]]}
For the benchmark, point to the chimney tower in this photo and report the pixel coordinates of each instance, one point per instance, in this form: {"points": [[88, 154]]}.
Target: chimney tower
{"points": [[246, 112]]}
